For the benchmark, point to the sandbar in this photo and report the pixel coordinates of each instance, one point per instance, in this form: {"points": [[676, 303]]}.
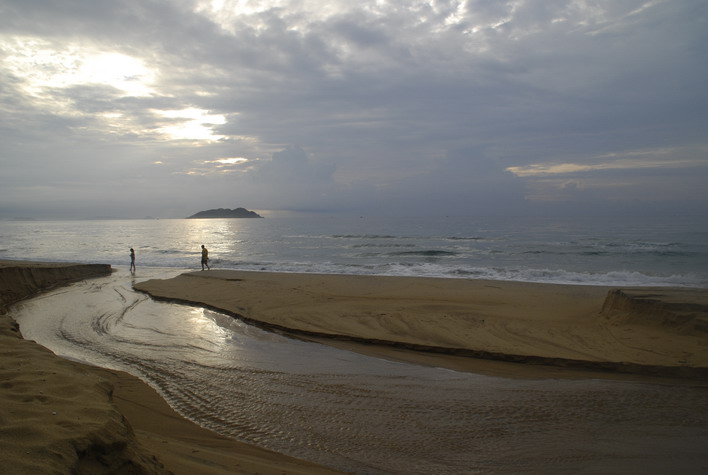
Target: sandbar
{"points": [[650, 331]]}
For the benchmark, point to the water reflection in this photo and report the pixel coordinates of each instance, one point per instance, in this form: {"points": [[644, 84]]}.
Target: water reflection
{"points": [[362, 414], [222, 237]]}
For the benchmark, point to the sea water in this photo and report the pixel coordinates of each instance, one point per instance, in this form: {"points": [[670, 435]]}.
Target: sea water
{"points": [[597, 251]]}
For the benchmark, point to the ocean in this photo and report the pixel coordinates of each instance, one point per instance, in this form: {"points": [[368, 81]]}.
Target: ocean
{"points": [[595, 251]]}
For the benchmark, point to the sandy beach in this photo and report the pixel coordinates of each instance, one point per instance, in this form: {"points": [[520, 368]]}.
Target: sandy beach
{"points": [[62, 416], [650, 331], [59, 416]]}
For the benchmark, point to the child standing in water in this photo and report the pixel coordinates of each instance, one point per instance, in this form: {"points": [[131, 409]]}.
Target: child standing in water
{"points": [[132, 260]]}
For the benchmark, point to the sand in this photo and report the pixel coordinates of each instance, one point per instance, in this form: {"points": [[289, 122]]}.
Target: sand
{"points": [[653, 331], [63, 417], [59, 416]]}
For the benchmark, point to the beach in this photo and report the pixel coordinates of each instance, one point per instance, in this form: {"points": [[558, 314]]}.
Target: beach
{"points": [[60, 416], [651, 331], [64, 416]]}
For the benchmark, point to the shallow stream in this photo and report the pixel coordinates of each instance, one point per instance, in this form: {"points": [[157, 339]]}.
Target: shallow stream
{"points": [[363, 414]]}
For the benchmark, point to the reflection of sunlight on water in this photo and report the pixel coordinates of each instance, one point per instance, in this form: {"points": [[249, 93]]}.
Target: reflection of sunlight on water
{"points": [[218, 235], [199, 231], [219, 340], [203, 326], [209, 340]]}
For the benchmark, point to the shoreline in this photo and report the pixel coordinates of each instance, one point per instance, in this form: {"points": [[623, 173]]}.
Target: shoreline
{"points": [[67, 417]]}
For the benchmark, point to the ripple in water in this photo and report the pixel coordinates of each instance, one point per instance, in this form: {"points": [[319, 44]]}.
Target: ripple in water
{"points": [[363, 414]]}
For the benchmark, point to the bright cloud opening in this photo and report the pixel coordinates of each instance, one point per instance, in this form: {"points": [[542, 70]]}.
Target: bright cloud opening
{"points": [[223, 162], [195, 124], [42, 66], [632, 160]]}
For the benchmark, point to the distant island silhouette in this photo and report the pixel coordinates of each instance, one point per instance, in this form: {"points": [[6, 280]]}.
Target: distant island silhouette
{"points": [[225, 213]]}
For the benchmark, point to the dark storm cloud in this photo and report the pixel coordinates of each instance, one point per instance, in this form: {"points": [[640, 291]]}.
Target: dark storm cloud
{"points": [[353, 106]]}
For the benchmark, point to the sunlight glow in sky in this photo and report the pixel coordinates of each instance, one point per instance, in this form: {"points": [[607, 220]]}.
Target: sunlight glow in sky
{"points": [[192, 124], [227, 161], [43, 68], [633, 160], [466, 107]]}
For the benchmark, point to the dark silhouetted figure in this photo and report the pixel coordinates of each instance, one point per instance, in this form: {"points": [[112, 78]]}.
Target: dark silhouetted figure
{"points": [[205, 257], [132, 260]]}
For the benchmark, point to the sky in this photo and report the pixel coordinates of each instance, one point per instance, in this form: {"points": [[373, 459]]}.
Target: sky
{"points": [[162, 108]]}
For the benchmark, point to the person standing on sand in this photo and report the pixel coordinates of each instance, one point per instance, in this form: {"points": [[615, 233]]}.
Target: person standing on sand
{"points": [[132, 260], [205, 258]]}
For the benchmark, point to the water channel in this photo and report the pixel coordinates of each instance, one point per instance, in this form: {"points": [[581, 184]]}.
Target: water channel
{"points": [[363, 414]]}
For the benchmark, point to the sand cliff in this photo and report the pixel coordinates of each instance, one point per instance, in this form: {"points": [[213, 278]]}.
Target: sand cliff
{"points": [[57, 416]]}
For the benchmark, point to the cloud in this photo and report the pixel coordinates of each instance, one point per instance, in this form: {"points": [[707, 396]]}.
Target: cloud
{"points": [[639, 180], [361, 106], [635, 160]]}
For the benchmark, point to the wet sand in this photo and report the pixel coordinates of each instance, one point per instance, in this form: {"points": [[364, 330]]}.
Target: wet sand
{"points": [[58, 416]]}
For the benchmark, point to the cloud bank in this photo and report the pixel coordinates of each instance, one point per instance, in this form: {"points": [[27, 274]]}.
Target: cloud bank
{"points": [[446, 107]]}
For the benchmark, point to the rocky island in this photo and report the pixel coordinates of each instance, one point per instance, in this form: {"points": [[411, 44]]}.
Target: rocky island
{"points": [[225, 213]]}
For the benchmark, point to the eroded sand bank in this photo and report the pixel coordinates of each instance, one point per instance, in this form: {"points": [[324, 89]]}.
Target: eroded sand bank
{"points": [[647, 331], [58, 416]]}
